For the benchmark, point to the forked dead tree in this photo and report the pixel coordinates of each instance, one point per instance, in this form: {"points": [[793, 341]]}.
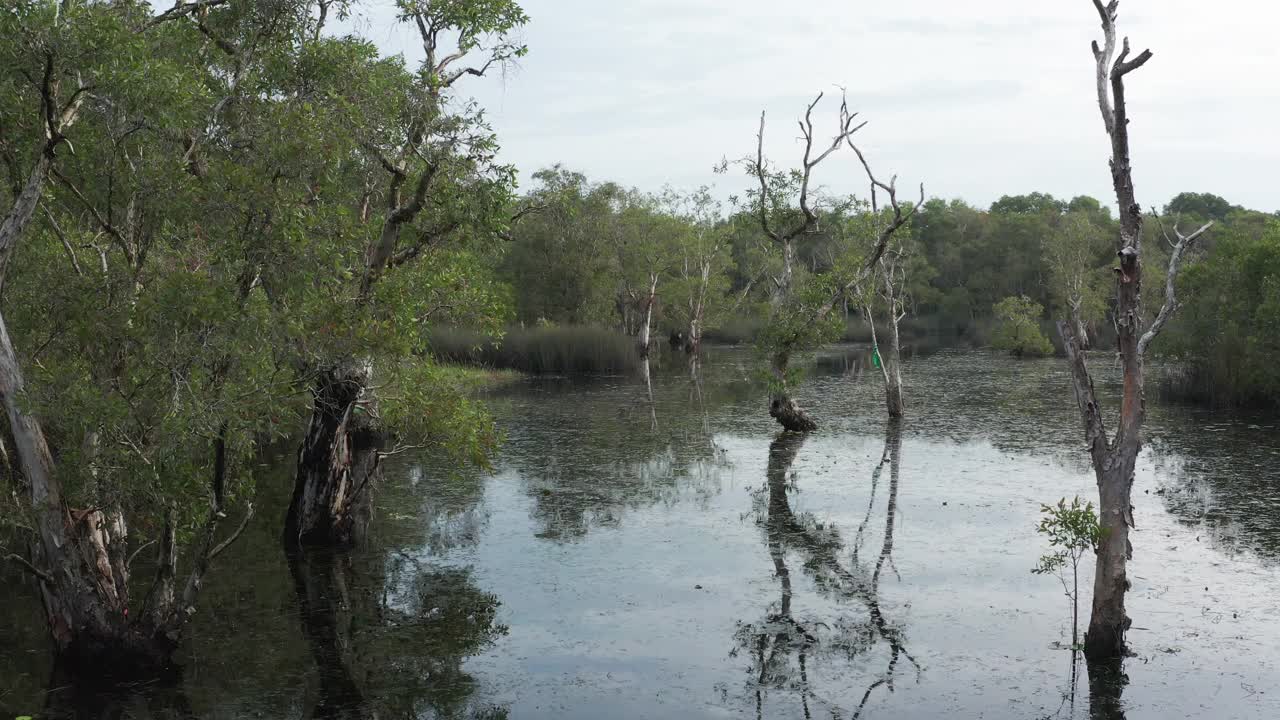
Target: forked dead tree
{"points": [[1114, 458], [793, 328], [892, 267]]}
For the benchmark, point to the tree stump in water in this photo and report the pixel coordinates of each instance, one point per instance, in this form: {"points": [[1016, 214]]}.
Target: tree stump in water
{"points": [[338, 463], [790, 415]]}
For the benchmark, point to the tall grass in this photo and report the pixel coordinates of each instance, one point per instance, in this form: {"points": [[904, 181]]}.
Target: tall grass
{"points": [[572, 350], [1218, 387]]}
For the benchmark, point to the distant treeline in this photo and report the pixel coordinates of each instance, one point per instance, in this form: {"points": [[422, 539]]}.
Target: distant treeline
{"points": [[589, 253]]}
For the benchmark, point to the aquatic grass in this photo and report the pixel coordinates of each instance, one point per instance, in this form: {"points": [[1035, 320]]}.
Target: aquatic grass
{"points": [[557, 350]]}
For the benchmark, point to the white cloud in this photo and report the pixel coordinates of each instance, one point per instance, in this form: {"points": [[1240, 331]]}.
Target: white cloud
{"points": [[976, 99]]}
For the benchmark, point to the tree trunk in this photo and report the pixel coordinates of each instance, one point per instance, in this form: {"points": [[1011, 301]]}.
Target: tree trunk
{"points": [[889, 365], [693, 341], [893, 371], [1108, 620], [649, 302], [781, 407], [339, 461], [78, 556], [1114, 460], [1082, 331], [783, 288]]}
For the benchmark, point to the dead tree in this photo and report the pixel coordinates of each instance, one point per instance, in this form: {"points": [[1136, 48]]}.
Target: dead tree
{"points": [[782, 407], [892, 284], [1114, 458]]}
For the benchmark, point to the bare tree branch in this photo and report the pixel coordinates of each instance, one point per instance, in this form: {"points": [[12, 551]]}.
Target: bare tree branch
{"points": [[26, 565], [1171, 303], [183, 9], [222, 546], [62, 237], [808, 163], [900, 218]]}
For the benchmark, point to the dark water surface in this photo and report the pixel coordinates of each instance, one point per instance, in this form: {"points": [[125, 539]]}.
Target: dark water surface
{"points": [[664, 552]]}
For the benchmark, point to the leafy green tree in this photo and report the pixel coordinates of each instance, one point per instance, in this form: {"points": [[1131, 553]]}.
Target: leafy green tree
{"points": [[1079, 282], [700, 274], [138, 408], [1203, 206], [1072, 531], [802, 315], [1229, 330], [1035, 203], [1019, 331], [647, 248], [251, 212], [560, 265], [428, 152]]}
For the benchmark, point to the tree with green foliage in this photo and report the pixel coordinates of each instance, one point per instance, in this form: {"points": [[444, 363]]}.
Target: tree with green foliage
{"points": [[203, 228], [559, 264], [1072, 531], [1202, 206], [647, 249], [431, 156], [1228, 332], [139, 408], [802, 316], [700, 281], [1018, 331], [1079, 280]]}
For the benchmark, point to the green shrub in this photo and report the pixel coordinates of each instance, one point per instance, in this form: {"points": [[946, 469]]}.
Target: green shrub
{"points": [[1018, 329], [1073, 531]]}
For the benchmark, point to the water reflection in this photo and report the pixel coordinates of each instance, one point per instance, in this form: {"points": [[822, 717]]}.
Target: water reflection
{"points": [[68, 699], [634, 621], [1217, 482], [389, 632], [590, 452], [322, 583], [783, 647], [1107, 681]]}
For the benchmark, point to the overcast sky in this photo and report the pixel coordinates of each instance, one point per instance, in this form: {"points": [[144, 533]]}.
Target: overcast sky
{"points": [[977, 99]]}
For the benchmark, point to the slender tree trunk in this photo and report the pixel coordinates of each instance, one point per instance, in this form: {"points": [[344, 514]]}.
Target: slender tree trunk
{"points": [[893, 371], [889, 364], [693, 341], [782, 286], [1082, 332], [339, 462], [650, 300], [1075, 606], [1114, 460]]}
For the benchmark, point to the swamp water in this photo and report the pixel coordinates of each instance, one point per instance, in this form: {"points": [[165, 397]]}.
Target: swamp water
{"points": [[663, 552]]}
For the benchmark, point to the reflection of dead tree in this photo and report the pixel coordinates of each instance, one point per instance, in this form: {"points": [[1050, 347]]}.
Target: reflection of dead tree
{"points": [[320, 580], [648, 388], [782, 634], [1106, 683], [892, 451]]}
